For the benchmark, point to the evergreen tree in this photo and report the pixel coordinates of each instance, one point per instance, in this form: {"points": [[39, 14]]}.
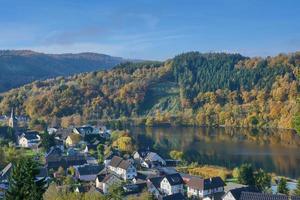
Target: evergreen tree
{"points": [[297, 190], [282, 187], [246, 176], [47, 140], [262, 180], [22, 182]]}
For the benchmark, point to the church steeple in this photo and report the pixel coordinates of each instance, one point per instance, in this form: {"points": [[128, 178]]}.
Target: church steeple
{"points": [[13, 122]]}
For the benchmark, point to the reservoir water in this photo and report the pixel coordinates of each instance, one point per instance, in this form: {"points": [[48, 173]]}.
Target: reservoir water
{"points": [[273, 150]]}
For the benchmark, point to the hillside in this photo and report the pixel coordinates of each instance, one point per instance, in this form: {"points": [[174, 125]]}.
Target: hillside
{"points": [[22, 66], [190, 89]]}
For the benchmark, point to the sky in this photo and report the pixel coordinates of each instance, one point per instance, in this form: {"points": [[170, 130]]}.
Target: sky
{"points": [[151, 29]]}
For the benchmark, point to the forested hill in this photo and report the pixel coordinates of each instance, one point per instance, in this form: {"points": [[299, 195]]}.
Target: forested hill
{"points": [[18, 67], [190, 89]]}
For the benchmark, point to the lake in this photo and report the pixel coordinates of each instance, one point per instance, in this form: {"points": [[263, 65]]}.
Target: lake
{"points": [[273, 150]]}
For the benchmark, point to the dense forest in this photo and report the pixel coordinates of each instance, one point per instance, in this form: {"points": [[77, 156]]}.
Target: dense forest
{"points": [[23, 66], [190, 89]]}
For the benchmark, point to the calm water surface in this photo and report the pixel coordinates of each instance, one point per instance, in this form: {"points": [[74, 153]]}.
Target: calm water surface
{"points": [[272, 150]]}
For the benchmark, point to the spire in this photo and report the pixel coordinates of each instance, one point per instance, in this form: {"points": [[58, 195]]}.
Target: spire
{"points": [[12, 122], [12, 115]]}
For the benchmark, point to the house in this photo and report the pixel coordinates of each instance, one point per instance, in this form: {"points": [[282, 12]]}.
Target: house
{"points": [[105, 180], [5, 173], [82, 188], [172, 184], [84, 130], [153, 185], [131, 189], [29, 139], [261, 196], [122, 168], [177, 196], [87, 172], [72, 140], [91, 146], [148, 159], [198, 187], [107, 159], [52, 130], [139, 178], [4, 183], [235, 194], [56, 159]]}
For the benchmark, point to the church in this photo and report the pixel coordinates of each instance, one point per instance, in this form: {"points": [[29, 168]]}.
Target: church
{"points": [[13, 121]]}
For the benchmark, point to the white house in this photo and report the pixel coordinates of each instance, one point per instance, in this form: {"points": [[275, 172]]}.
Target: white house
{"points": [[235, 194], [172, 184], [104, 181], [153, 185], [52, 130], [29, 139], [88, 130], [149, 159], [200, 188], [122, 168]]}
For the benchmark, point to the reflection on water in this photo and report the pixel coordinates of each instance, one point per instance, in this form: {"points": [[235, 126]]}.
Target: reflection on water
{"points": [[273, 150]]}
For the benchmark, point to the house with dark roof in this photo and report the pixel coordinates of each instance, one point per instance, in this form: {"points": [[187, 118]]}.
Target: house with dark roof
{"points": [[87, 172], [29, 139], [177, 196], [262, 196], [5, 173], [153, 185], [198, 187], [56, 160], [83, 130], [148, 159], [235, 194], [122, 168], [104, 180], [172, 184], [133, 189], [108, 158]]}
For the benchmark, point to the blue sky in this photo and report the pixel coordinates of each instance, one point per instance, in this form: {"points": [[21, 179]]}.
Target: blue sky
{"points": [[151, 29]]}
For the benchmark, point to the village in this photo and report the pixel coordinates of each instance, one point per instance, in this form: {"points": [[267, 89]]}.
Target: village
{"points": [[84, 160]]}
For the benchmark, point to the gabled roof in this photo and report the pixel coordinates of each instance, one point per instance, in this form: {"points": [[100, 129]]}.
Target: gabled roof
{"points": [[177, 196], [156, 181], [143, 152], [106, 177], [236, 193], [89, 169], [54, 151], [174, 179], [43, 173], [152, 156], [4, 174], [115, 161], [84, 129], [134, 188], [205, 184], [261, 196], [125, 164], [31, 135], [65, 161]]}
